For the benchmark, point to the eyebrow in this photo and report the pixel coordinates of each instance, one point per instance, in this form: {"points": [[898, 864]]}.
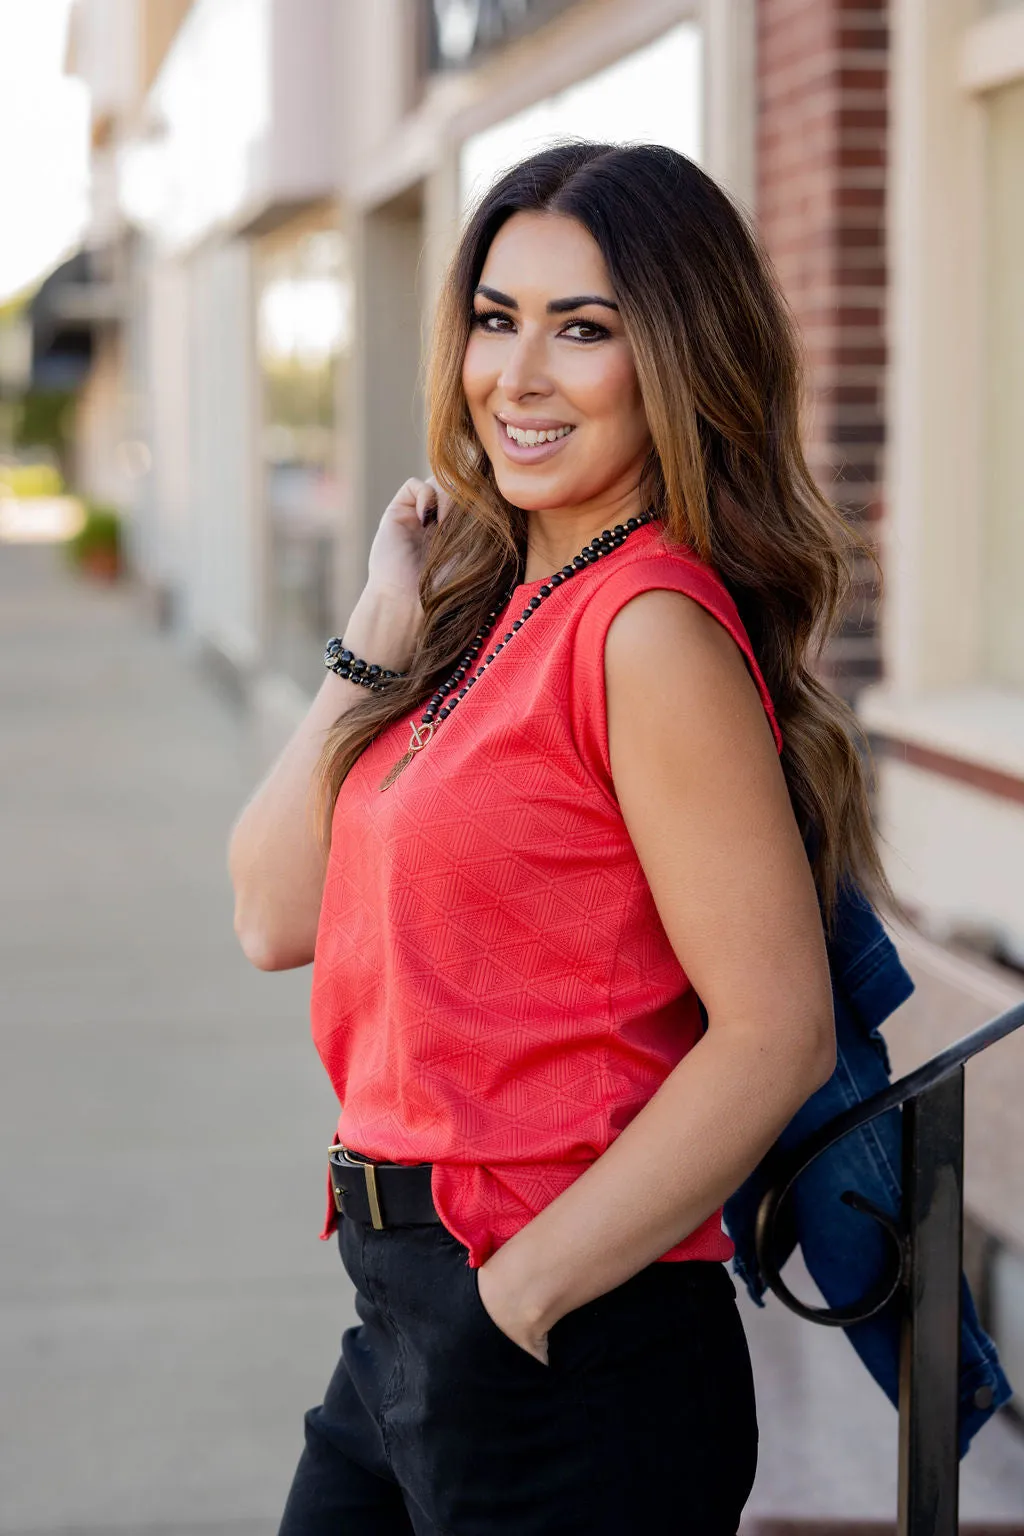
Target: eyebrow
{"points": [[554, 307]]}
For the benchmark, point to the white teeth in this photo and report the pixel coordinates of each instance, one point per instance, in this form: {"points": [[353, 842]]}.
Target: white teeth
{"points": [[529, 437]]}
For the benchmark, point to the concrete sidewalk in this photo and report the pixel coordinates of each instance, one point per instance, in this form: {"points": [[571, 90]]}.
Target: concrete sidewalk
{"points": [[166, 1311]]}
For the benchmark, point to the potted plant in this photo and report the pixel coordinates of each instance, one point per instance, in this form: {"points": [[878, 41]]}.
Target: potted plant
{"points": [[97, 546]]}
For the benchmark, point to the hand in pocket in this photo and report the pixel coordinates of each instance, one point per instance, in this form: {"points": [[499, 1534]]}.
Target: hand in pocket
{"points": [[503, 1311]]}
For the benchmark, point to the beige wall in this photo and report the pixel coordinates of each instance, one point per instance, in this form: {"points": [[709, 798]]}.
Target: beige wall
{"points": [[222, 541], [953, 614], [386, 403], [1003, 553], [167, 349], [102, 426], [159, 23], [955, 390], [954, 996], [931, 547], [103, 48]]}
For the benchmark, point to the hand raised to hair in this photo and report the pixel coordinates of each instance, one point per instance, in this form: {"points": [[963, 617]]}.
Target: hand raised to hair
{"points": [[403, 537]]}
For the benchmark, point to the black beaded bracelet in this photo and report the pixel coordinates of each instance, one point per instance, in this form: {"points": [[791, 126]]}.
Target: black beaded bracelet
{"points": [[345, 664]]}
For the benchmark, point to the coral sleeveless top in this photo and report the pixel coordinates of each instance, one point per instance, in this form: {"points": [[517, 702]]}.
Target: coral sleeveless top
{"points": [[493, 989]]}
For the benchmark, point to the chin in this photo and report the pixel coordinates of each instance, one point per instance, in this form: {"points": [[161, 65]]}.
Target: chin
{"points": [[532, 498], [533, 493]]}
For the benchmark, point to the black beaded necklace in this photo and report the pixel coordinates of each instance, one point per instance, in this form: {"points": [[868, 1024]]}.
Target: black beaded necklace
{"points": [[450, 692]]}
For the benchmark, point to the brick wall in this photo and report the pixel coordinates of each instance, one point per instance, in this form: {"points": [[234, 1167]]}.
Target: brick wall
{"points": [[821, 159]]}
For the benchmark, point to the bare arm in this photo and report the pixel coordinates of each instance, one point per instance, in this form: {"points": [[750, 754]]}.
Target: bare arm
{"points": [[275, 861], [705, 801]]}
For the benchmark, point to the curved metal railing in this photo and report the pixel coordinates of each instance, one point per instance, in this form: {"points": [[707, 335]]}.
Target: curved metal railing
{"points": [[926, 1247], [911, 1087]]}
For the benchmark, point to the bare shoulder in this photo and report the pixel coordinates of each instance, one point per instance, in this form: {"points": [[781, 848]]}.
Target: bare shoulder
{"points": [[664, 610], [666, 654]]}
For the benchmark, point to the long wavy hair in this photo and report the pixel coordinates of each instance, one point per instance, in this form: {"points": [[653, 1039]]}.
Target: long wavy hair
{"points": [[720, 372]]}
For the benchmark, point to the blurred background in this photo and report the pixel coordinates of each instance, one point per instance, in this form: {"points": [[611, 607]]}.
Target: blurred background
{"points": [[224, 227]]}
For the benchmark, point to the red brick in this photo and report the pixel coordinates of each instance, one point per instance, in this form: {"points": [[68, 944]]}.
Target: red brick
{"points": [[870, 35], [852, 154], [859, 197], [866, 78], [850, 119], [855, 396], [860, 237], [822, 148], [859, 354]]}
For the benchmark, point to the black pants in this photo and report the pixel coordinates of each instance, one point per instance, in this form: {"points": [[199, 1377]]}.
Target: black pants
{"points": [[435, 1423]]}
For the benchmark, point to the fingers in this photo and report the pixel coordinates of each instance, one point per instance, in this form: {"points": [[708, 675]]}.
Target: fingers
{"points": [[426, 502], [431, 504], [443, 501]]}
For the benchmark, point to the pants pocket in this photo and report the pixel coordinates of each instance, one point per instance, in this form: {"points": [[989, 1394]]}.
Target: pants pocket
{"points": [[483, 1435], [498, 1334]]}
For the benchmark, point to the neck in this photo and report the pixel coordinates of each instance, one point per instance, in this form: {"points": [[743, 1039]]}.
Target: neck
{"points": [[554, 536]]}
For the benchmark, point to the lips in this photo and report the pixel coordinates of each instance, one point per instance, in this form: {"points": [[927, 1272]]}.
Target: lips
{"points": [[532, 453]]}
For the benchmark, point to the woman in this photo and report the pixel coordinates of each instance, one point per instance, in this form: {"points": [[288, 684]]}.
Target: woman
{"points": [[580, 806]]}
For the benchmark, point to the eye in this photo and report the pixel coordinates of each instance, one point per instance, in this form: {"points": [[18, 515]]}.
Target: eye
{"points": [[481, 320], [598, 331], [482, 316]]}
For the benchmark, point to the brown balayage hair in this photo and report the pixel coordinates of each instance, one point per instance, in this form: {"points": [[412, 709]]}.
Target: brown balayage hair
{"points": [[719, 369]]}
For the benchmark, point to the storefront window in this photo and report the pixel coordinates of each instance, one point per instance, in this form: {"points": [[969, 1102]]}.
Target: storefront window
{"points": [[652, 95], [462, 31], [304, 305]]}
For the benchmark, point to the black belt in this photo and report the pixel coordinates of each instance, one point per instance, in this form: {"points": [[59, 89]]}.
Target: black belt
{"points": [[383, 1194]]}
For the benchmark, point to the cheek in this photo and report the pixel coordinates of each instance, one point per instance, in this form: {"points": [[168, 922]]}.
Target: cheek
{"points": [[612, 392], [477, 374]]}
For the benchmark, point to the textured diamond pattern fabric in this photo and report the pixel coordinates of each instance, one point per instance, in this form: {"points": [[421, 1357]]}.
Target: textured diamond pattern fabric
{"points": [[493, 989]]}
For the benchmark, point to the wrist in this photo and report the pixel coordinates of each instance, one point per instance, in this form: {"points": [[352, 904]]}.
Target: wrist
{"points": [[384, 627], [527, 1276]]}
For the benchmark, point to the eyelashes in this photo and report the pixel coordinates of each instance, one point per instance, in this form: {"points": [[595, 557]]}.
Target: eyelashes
{"points": [[479, 319]]}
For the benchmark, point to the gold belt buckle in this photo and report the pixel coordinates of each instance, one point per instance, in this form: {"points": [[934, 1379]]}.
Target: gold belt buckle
{"points": [[370, 1174]]}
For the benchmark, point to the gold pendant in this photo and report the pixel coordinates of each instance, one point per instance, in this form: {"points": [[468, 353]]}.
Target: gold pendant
{"points": [[420, 736], [392, 773]]}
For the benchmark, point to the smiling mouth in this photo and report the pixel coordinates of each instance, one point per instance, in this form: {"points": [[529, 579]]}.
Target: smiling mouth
{"points": [[531, 437]]}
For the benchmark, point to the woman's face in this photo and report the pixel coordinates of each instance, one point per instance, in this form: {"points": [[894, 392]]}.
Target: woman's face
{"points": [[548, 353]]}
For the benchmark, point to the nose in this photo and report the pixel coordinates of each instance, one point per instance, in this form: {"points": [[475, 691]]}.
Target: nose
{"points": [[523, 371]]}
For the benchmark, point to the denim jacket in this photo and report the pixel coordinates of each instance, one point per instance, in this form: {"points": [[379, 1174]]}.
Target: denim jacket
{"points": [[844, 1250]]}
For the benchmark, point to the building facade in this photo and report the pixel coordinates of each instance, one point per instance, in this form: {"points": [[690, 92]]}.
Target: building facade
{"points": [[215, 163]]}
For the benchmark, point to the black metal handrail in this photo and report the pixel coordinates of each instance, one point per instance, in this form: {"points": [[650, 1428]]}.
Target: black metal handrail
{"points": [[926, 1241]]}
